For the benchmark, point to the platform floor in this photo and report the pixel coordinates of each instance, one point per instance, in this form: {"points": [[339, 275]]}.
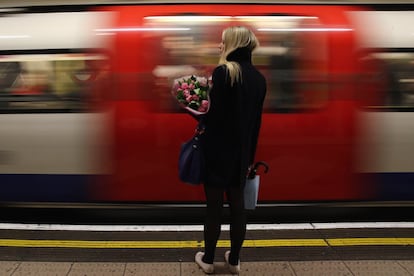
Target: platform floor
{"points": [[296, 268], [308, 250]]}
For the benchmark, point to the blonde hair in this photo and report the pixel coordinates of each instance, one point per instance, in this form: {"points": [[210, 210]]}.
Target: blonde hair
{"points": [[233, 38]]}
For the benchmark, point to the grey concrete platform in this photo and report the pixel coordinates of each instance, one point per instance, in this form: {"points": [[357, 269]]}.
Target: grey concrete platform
{"points": [[296, 268]]}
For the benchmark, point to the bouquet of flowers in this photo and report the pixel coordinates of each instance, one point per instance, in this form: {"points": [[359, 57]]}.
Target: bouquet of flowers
{"points": [[192, 93]]}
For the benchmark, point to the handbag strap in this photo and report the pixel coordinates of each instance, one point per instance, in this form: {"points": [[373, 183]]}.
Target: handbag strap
{"points": [[201, 127]]}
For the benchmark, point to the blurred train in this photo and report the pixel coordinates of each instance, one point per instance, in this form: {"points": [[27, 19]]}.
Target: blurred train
{"points": [[87, 116]]}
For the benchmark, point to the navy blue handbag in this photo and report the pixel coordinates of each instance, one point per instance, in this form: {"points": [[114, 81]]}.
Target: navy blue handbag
{"points": [[191, 163]]}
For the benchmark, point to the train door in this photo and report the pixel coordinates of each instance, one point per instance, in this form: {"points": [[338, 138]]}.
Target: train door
{"points": [[308, 131]]}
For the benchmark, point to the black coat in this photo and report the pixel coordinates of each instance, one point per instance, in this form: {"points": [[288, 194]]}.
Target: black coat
{"points": [[233, 122]]}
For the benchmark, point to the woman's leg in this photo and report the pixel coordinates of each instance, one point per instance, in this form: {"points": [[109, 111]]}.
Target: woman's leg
{"points": [[235, 197], [212, 226]]}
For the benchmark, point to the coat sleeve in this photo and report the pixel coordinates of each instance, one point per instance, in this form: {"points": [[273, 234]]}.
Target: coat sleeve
{"points": [[217, 97], [256, 129]]}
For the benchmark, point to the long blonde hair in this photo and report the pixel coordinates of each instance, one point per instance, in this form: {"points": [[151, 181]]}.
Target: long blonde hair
{"points": [[233, 38]]}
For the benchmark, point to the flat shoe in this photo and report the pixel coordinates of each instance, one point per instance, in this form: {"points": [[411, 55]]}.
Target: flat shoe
{"points": [[234, 269], [207, 268]]}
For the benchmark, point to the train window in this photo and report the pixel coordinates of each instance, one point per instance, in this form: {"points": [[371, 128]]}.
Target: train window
{"points": [[292, 58], [187, 45], [48, 82], [390, 80]]}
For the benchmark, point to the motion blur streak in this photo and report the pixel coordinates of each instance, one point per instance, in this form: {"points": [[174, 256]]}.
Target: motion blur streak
{"points": [[87, 116]]}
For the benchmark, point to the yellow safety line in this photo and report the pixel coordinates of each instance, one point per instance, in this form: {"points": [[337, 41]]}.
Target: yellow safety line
{"points": [[370, 241], [99, 244], [198, 244], [285, 242]]}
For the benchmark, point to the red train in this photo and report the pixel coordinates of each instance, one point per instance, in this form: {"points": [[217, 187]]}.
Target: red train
{"points": [[87, 114]]}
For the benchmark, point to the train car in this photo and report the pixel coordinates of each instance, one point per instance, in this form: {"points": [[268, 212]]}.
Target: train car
{"points": [[385, 147], [87, 114]]}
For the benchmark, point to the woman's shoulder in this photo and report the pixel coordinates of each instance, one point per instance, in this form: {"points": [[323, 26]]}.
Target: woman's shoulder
{"points": [[219, 73], [221, 69], [258, 74]]}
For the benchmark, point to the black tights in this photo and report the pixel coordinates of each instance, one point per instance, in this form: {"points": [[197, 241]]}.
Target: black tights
{"points": [[212, 226]]}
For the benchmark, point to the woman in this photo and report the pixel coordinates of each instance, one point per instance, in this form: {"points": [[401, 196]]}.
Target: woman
{"points": [[230, 140]]}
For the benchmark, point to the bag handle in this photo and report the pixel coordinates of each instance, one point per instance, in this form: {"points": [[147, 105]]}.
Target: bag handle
{"points": [[201, 127]]}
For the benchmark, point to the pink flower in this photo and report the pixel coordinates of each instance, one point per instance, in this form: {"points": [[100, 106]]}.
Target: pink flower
{"points": [[186, 93], [204, 103], [184, 85], [189, 98], [195, 98]]}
